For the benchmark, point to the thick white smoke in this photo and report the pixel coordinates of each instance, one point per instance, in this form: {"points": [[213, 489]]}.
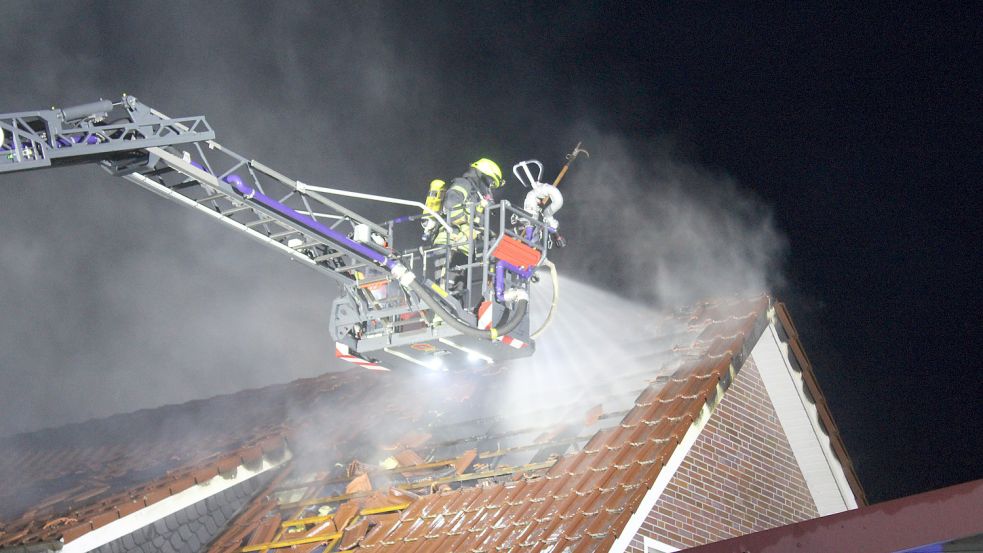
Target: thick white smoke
{"points": [[657, 228], [115, 300]]}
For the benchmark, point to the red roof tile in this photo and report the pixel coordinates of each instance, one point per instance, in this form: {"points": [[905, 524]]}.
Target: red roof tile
{"points": [[579, 499]]}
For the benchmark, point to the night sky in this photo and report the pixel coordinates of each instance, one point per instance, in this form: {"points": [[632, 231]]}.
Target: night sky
{"points": [[854, 132]]}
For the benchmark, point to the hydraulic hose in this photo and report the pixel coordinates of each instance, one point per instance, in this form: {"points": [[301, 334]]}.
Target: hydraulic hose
{"points": [[556, 299], [310, 223], [515, 317]]}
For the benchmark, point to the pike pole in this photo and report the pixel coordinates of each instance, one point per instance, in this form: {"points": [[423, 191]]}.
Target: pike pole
{"points": [[577, 150]]}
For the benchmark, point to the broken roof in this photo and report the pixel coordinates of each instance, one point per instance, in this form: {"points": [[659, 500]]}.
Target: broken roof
{"points": [[442, 462]]}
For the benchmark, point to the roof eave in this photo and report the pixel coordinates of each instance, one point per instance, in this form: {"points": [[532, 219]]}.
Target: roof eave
{"points": [[43, 547], [800, 359], [102, 535]]}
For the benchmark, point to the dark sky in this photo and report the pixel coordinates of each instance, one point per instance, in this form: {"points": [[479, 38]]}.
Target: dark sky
{"points": [[835, 153]]}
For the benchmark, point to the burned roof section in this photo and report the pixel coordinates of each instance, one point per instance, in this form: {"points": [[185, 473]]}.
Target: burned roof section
{"points": [[565, 472]]}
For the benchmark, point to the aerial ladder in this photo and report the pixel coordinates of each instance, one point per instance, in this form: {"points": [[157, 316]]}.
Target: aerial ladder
{"points": [[394, 309]]}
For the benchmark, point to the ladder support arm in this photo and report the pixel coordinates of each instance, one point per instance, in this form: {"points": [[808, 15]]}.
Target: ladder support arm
{"points": [[92, 132]]}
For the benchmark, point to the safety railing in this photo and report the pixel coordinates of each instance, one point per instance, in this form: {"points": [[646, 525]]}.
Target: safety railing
{"points": [[494, 222]]}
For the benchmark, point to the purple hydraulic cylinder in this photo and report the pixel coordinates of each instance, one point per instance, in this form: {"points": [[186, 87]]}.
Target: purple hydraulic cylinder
{"points": [[500, 269], [309, 223]]}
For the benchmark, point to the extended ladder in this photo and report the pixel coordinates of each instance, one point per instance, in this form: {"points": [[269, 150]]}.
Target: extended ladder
{"points": [[180, 160]]}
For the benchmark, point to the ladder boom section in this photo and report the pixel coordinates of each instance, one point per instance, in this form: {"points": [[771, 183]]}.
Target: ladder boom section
{"points": [[178, 158], [269, 209], [91, 132]]}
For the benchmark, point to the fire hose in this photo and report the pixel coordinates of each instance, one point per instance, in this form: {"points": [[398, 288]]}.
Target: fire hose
{"points": [[556, 299], [515, 315]]}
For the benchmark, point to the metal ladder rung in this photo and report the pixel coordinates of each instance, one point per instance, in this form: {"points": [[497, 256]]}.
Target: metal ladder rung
{"points": [[329, 256], [158, 172], [234, 210], [217, 196], [283, 234], [185, 184], [259, 222]]}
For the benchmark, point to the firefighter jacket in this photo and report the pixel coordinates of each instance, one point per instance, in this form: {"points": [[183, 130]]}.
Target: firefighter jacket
{"points": [[464, 205]]}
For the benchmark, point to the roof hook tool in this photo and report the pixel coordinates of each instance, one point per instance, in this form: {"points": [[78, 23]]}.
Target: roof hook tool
{"points": [[577, 150], [548, 199], [527, 178]]}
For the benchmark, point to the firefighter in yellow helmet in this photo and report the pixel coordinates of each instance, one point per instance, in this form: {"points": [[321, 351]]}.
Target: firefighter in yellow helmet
{"points": [[464, 202], [463, 205]]}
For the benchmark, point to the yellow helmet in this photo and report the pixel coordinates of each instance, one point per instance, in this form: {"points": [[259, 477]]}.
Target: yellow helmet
{"points": [[491, 169]]}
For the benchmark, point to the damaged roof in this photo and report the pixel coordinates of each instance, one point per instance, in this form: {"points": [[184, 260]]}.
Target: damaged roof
{"points": [[541, 487], [385, 462]]}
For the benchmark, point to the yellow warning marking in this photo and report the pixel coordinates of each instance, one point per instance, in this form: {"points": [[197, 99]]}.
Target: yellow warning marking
{"points": [[436, 288]]}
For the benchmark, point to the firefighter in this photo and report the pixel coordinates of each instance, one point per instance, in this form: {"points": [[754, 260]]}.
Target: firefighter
{"points": [[463, 204]]}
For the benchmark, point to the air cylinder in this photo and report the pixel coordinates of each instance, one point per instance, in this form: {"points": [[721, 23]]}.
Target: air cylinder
{"points": [[73, 113]]}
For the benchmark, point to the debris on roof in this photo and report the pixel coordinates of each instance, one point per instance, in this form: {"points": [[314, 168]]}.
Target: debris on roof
{"points": [[569, 481], [360, 483]]}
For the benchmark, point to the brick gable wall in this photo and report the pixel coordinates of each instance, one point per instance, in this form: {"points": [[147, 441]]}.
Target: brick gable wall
{"points": [[739, 477]]}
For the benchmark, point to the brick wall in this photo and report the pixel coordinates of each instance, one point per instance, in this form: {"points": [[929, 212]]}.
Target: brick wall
{"points": [[739, 477]]}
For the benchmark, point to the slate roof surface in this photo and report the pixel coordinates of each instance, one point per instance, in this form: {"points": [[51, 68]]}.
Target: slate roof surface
{"points": [[554, 452]]}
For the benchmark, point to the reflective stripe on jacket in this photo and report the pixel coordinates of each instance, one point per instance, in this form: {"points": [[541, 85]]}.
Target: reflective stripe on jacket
{"points": [[464, 194]]}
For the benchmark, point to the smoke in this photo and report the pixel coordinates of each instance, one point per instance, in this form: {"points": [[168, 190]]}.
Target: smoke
{"points": [[114, 299], [658, 228], [649, 233]]}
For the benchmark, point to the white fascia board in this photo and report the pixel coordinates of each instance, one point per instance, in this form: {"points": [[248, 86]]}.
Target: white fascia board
{"points": [[655, 546], [669, 470], [165, 507], [799, 418]]}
